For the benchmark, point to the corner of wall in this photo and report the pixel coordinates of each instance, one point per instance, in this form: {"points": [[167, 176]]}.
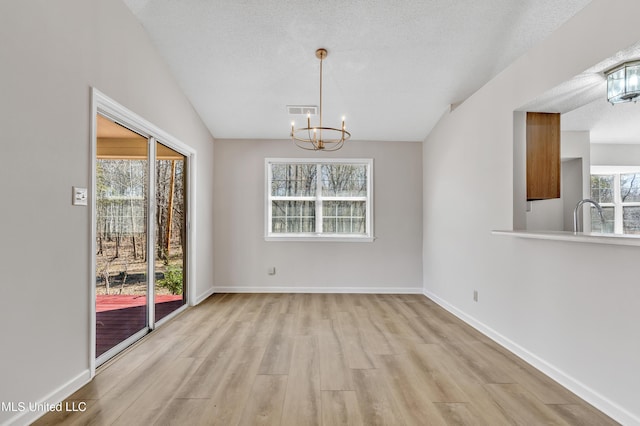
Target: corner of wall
{"points": [[519, 170]]}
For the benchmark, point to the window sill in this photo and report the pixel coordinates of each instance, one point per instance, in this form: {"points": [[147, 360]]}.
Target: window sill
{"points": [[320, 238], [580, 237]]}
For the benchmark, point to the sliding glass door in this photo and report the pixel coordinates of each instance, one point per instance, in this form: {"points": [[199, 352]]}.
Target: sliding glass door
{"points": [[140, 272]]}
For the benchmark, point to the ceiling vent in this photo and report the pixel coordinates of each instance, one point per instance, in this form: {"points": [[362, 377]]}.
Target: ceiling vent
{"points": [[302, 109]]}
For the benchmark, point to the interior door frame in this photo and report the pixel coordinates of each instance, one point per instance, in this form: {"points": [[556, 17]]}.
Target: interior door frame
{"points": [[107, 107]]}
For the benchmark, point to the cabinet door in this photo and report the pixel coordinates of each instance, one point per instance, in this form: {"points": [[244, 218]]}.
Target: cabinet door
{"points": [[543, 155]]}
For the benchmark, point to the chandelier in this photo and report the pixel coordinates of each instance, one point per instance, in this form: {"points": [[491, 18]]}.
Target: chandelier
{"points": [[319, 138], [623, 83]]}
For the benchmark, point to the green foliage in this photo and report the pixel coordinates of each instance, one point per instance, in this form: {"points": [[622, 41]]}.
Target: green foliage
{"points": [[172, 280]]}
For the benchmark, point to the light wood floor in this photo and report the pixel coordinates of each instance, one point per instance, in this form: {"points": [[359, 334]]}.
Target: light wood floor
{"points": [[322, 359]]}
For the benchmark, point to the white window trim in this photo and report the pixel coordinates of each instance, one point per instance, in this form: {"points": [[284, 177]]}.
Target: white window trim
{"points": [[617, 204], [319, 236]]}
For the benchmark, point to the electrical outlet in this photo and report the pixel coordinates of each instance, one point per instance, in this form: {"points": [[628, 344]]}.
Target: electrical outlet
{"points": [[475, 295]]}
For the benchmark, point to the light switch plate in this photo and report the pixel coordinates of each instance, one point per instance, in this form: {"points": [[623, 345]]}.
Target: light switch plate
{"points": [[79, 196]]}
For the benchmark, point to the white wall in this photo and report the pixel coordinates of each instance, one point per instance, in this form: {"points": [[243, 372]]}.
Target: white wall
{"points": [[557, 214], [573, 191], [570, 308], [615, 154], [52, 53], [391, 263], [576, 149]]}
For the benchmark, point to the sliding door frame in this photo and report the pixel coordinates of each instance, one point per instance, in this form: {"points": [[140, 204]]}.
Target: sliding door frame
{"points": [[107, 107]]}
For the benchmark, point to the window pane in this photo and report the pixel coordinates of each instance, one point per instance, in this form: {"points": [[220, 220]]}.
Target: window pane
{"points": [[121, 205], [609, 220], [632, 79], [345, 180], [630, 187], [602, 188], [631, 220], [344, 208], [344, 217], [293, 216], [293, 180], [343, 226]]}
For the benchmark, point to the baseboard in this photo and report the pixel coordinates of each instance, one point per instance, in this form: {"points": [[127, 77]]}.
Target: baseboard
{"points": [[201, 298], [29, 415], [594, 398], [361, 290]]}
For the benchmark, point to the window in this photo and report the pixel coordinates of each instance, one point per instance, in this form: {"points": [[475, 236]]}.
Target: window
{"points": [[319, 199], [617, 190]]}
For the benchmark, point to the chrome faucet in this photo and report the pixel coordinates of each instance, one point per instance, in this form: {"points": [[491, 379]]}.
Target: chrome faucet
{"points": [[575, 213]]}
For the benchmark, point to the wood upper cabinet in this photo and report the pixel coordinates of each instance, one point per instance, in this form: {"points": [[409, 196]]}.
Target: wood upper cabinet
{"points": [[543, 156]]}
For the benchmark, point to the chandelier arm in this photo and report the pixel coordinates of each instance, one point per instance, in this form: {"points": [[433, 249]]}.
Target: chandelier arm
{"points": [[304, 147], [344, 135], [335, 147]]}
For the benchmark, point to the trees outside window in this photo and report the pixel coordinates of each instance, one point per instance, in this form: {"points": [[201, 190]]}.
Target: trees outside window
{"points": [[618, 192], [309, 198]]}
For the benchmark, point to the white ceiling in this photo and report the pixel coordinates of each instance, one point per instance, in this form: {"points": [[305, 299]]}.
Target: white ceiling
{"points": [[583, 104], [617, 124], [394, 66]]}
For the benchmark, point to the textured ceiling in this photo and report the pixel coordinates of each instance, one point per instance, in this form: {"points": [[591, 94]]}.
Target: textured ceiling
{"points": [[394, 66], [584, 107]]}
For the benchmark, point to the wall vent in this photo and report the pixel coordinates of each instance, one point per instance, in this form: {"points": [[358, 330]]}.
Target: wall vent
{"points": [[302, 109]]}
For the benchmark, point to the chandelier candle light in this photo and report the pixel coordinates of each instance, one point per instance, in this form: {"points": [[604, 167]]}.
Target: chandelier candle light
{"points": [[319, 138]]}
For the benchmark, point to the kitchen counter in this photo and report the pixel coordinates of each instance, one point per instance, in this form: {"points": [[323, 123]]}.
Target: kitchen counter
{"points": [[580, 237]]}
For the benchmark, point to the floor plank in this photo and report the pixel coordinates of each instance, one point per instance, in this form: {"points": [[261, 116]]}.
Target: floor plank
{"points": [[147, 408], [580, 414], [377, 406], [352, 341], [340, 408], [335, 374], [231, 395], [521, 407], [458, 413], [411, 390], [264, 405], [277, 356], [302, 398]]}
